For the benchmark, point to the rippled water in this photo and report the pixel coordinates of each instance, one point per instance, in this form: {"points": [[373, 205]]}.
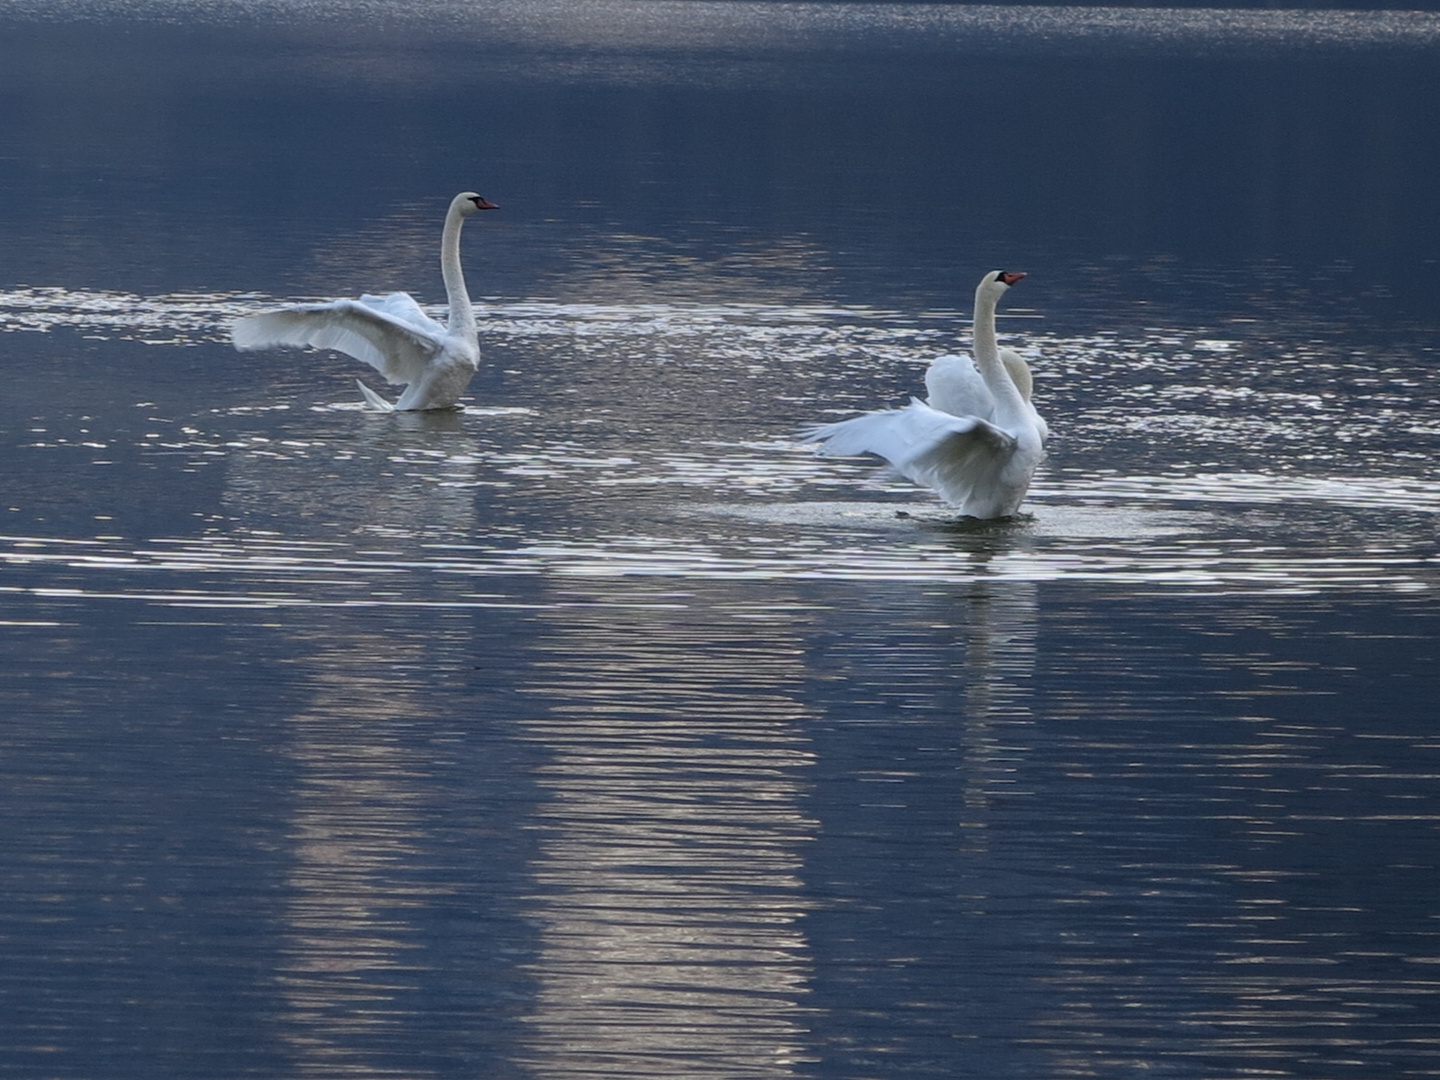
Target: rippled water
{"points": [[601, 727], [610, 729]]}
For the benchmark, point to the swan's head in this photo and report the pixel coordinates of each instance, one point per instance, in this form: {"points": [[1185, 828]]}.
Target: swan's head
{"points": [[999, 280], [467, 202], [993, 286]]}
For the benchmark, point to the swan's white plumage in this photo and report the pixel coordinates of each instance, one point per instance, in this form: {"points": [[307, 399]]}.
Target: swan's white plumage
{"points": [[434, 361], [978, 439], [399, 350], [954, 385]]}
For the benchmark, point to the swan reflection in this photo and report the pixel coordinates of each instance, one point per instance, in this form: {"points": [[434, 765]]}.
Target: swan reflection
{"points": [[998, 625]]}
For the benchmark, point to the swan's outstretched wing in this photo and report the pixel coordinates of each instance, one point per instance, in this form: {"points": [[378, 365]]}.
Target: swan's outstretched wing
{"points": [[955, 455], [393, 347], [955, 386], [402, 307]]}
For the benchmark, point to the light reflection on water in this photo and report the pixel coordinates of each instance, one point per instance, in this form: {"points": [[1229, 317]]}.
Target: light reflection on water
{"points": [[1176, 550], [1215, 417], [348, 954], [670, 882], [741, 29]]}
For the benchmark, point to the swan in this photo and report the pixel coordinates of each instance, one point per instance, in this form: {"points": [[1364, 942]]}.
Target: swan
{"points": [[390, 333], [977, 440]]}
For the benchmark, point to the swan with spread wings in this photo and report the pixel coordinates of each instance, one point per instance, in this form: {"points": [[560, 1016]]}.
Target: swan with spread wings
{"points": [[977, 440], [434, 361]]}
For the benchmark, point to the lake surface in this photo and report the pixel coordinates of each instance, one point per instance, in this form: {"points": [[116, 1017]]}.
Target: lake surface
{"points": [[600, 729]]}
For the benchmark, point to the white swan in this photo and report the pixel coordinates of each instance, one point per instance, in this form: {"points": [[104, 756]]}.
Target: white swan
{"points": [[978, 439], [390, 333]]}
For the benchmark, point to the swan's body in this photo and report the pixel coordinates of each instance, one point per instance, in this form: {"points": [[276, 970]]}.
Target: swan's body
{"points": [[978, 439], [390, 333]]}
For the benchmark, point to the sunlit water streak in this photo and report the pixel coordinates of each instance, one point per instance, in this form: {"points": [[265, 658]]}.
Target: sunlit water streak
{"points": [[740, 27], [670, 884], [809, 541], [1296, 401], [1184, 527]]}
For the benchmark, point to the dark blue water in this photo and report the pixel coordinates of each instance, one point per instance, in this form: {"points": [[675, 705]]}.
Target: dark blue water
{"points": [[599, 729]]}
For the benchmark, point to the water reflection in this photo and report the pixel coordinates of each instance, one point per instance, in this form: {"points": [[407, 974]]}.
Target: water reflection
{"points": [[920, 773], [670, 884], [409, 477], [1218, 817], [824, 776], [362, 886], [351, 957], [996, 620]]}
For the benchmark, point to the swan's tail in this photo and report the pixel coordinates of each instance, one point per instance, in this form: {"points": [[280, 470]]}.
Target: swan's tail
{"points": [[373, 401]]}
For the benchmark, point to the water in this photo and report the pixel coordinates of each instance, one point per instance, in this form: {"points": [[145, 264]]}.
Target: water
{"points": [[601, 729]]}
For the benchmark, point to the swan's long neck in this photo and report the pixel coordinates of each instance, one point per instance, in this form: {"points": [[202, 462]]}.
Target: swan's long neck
{"points": [[462, 315], [987, 356]]}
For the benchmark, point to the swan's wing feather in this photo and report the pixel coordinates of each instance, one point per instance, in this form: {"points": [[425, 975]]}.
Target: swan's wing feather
{"points": [[965, 466], [951, 454], [402, 307], [955, 386], [398, 351], [373, 401], [901, 435], [881, 432]]}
